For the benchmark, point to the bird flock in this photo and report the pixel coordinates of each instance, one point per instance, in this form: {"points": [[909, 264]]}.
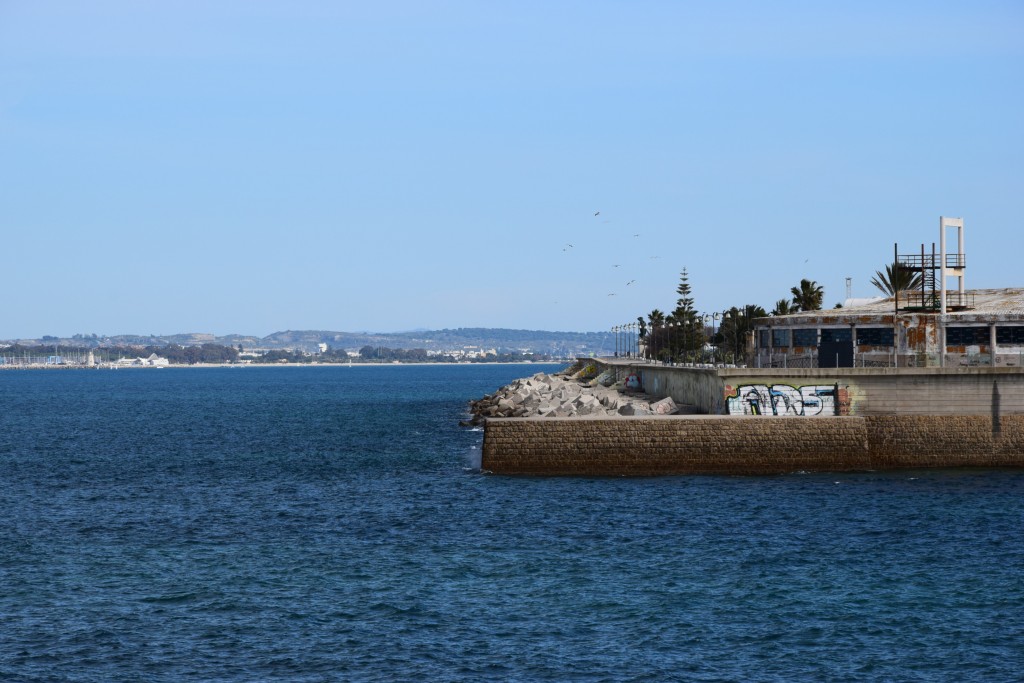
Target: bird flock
{"points": [[568, 247]]}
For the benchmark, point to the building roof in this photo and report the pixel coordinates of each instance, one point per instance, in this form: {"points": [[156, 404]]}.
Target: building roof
{"points": [[986, 304]]}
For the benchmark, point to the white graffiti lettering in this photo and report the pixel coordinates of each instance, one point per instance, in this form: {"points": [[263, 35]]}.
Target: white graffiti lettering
{"points": [[782, 399]]}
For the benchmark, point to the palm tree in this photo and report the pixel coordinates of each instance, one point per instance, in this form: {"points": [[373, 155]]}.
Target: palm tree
{"points": [[737, 324], [656, 323], [783, 307], [896, 278], [808, 296]]}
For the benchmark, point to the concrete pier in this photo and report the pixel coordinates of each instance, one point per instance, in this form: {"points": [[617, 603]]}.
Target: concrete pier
{"points": [[778, 421]]}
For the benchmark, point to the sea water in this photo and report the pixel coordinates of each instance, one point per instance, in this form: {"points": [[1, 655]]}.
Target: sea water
{"points": [[330, 523]]}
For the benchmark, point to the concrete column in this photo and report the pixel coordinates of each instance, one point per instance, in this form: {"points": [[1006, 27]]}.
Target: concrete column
{"points": [[941, 335], [853, 342], [992, 342], [942, 274], [960, 252]]}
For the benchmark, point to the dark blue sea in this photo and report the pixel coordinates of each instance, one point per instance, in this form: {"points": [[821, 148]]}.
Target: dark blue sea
{"points": [[330, 524]]}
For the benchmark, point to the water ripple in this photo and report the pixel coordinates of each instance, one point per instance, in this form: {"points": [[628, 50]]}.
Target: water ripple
{"points": [[319, 524]]}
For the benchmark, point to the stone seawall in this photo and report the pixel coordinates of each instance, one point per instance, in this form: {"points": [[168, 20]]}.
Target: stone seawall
{"points": [[897, 441], [712, 444]]}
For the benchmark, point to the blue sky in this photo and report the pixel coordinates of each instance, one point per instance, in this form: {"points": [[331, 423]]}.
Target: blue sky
{"points": [[258, 166]]}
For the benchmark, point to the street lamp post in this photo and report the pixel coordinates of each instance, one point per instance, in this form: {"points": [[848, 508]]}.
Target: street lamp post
{"points": [[671, 348], [703, 337], [735, 338], [709, 319], [721, 330], [683, 348], [668, 330], [714, 347], [698, 339]]}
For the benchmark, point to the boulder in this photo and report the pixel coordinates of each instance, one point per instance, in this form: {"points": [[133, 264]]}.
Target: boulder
{"points": [[522, 396], [665, 406], [633, 408]]}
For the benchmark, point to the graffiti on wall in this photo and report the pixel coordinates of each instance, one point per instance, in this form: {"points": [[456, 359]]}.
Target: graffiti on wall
{"points": [[783, 399]]}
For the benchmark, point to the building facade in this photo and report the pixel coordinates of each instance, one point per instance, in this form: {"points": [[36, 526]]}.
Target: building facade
{"points": [[985, 327]]}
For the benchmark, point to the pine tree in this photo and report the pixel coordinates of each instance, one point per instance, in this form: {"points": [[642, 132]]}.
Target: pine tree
{"points": [[684, 305], [692, 336]]}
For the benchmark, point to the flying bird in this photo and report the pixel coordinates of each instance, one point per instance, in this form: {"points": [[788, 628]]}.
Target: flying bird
{"points": [[630, 282], [616, 265], [597, 213], [612, 294], [636, 234]]}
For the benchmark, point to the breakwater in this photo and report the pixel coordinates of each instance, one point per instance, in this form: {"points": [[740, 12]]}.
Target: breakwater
{"points": [[718, 444], [576, 392], [760, 421]]}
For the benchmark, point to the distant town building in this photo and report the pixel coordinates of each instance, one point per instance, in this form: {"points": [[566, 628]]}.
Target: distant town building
{"points": [[152, 360]]}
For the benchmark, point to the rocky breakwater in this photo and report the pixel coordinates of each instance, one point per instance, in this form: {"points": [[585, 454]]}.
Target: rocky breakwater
{"points": [[575, 392]]}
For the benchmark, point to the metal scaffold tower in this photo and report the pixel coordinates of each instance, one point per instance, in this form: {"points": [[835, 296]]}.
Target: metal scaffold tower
{"points": [[931, 270]]}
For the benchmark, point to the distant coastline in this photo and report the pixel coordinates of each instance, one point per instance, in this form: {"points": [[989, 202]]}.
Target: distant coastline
{"points": [[474, 345], [279, 365], [464, 339]]}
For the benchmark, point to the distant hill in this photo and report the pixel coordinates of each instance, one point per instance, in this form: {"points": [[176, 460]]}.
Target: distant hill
{"points": [[537, 341], [564, 344]]}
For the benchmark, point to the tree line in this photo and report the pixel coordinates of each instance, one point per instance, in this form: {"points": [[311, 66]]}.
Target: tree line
{"points": [[220, 354], [685, 334]]}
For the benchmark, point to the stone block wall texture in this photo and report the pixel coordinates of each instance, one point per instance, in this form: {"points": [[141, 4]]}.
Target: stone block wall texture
{"points": [[747, 445], [934, 394], [900, 441]]}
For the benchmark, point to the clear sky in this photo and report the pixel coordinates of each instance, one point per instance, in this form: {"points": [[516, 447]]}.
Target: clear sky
{"points": [[255, 166]]}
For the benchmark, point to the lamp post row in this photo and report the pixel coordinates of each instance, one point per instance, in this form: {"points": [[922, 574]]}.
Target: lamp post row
{"points": [[627, 336]]}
